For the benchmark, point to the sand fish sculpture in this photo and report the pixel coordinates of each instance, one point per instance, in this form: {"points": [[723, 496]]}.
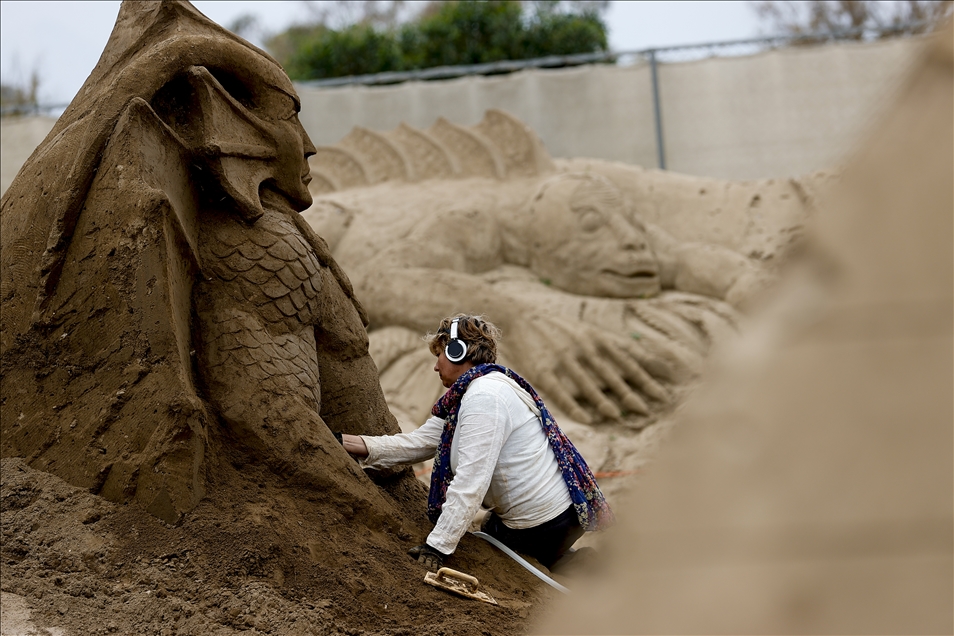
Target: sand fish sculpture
{"points": [[164, 304], [608, 295]]}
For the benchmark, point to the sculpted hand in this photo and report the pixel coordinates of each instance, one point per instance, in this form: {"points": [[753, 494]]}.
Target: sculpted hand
{"points": [[575, 363]]}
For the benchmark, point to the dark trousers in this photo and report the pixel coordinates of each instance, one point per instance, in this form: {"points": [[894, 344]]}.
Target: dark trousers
{"points": [[546, 543]]}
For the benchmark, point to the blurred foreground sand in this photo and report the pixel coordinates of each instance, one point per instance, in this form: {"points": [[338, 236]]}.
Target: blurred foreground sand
{"points": [[808, 487]]}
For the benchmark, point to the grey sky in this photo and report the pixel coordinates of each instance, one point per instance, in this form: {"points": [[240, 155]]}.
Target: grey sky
{"points": [[62, 41]]}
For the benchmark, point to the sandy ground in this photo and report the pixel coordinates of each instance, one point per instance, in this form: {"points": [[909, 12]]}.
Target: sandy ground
{"points": [[256, 557]]}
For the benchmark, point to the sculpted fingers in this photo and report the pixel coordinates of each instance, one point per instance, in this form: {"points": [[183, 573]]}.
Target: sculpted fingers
{"points": [[666, 359], [592, 375], [590, 389], [628, 398], [658, 366], [636, 374], [555, 390]]}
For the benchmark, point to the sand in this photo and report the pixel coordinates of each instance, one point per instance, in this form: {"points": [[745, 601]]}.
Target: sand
{"points": [[254, 557]]}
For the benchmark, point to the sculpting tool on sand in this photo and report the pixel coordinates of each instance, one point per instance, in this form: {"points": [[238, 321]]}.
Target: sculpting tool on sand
{"points": [[459, 583], [523, 562]]}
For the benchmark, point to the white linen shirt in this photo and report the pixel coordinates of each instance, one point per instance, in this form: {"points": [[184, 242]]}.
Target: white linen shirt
{"points": [[500, 457]]}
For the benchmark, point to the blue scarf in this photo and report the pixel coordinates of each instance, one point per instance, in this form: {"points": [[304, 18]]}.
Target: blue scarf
{"points": [[588, 501]]}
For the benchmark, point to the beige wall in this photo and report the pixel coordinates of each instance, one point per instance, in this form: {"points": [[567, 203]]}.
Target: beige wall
{"points": [[781, 113], [592, 111], [776, 114]]}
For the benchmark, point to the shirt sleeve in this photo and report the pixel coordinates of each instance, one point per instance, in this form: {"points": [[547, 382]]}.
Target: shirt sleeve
{"points": [[482, 429], [385, 451]]}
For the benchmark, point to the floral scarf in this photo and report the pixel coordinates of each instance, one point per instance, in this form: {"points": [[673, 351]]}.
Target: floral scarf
{"points": [[591, 507]]}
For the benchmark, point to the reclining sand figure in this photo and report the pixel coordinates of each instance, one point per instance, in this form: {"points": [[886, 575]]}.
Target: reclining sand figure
{"points": [[166, 298], [605, 314]]}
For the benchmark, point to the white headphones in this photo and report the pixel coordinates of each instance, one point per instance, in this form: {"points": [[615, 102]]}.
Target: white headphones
{"points": [[456, 350]]}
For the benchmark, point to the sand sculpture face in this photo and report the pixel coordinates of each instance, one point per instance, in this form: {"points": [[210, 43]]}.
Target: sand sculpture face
{"points": [[585, 245], [265, 146], [167, 300], [289, 173]]}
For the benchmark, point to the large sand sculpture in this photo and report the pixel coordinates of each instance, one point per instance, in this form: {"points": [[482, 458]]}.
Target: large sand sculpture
{"points": [[162, 299], [178, 346], [610, 282]]}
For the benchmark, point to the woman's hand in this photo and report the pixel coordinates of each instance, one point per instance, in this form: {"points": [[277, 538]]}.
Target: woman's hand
{"points": [[427, 556], [354, 445]]}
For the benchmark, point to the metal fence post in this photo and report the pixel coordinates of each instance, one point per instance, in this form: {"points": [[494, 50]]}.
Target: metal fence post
{"points": [[657, 112]]}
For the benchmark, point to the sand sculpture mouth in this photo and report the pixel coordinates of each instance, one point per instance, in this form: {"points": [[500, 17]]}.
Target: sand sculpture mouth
{"points": [[631, 282], [640, 273]]}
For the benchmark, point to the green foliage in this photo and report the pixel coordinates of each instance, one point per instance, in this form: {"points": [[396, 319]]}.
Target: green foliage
{"points": [[565, 34], [354, 50], [450, 34], [470, 33], [285, 45]]}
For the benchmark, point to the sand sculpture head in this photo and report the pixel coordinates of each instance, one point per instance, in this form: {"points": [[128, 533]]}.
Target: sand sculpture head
{"points": [[581, 240], [265, 148], [157, 48], [161, 296]]}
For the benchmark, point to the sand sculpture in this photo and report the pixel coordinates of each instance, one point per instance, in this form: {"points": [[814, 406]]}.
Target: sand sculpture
{"points": [[609, 282], [163, 302]]}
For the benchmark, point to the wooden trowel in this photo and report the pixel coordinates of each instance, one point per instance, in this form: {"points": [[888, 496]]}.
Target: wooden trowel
{"points": [[458, 583]]}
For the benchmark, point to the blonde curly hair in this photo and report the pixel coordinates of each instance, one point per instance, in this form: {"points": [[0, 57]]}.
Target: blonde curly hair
{"points": [[480, 335]]}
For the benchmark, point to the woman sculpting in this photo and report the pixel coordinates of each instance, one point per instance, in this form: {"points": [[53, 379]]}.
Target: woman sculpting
{"points": [[494, 444]]}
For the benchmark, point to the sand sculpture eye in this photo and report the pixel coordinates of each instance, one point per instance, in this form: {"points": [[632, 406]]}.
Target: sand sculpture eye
{"points": [[290, 108], [265, 100], [276, 104], [239, 90], [591, 220]]}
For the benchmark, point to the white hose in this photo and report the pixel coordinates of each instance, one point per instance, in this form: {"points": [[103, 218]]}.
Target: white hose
{"points": [[519, 559]]}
